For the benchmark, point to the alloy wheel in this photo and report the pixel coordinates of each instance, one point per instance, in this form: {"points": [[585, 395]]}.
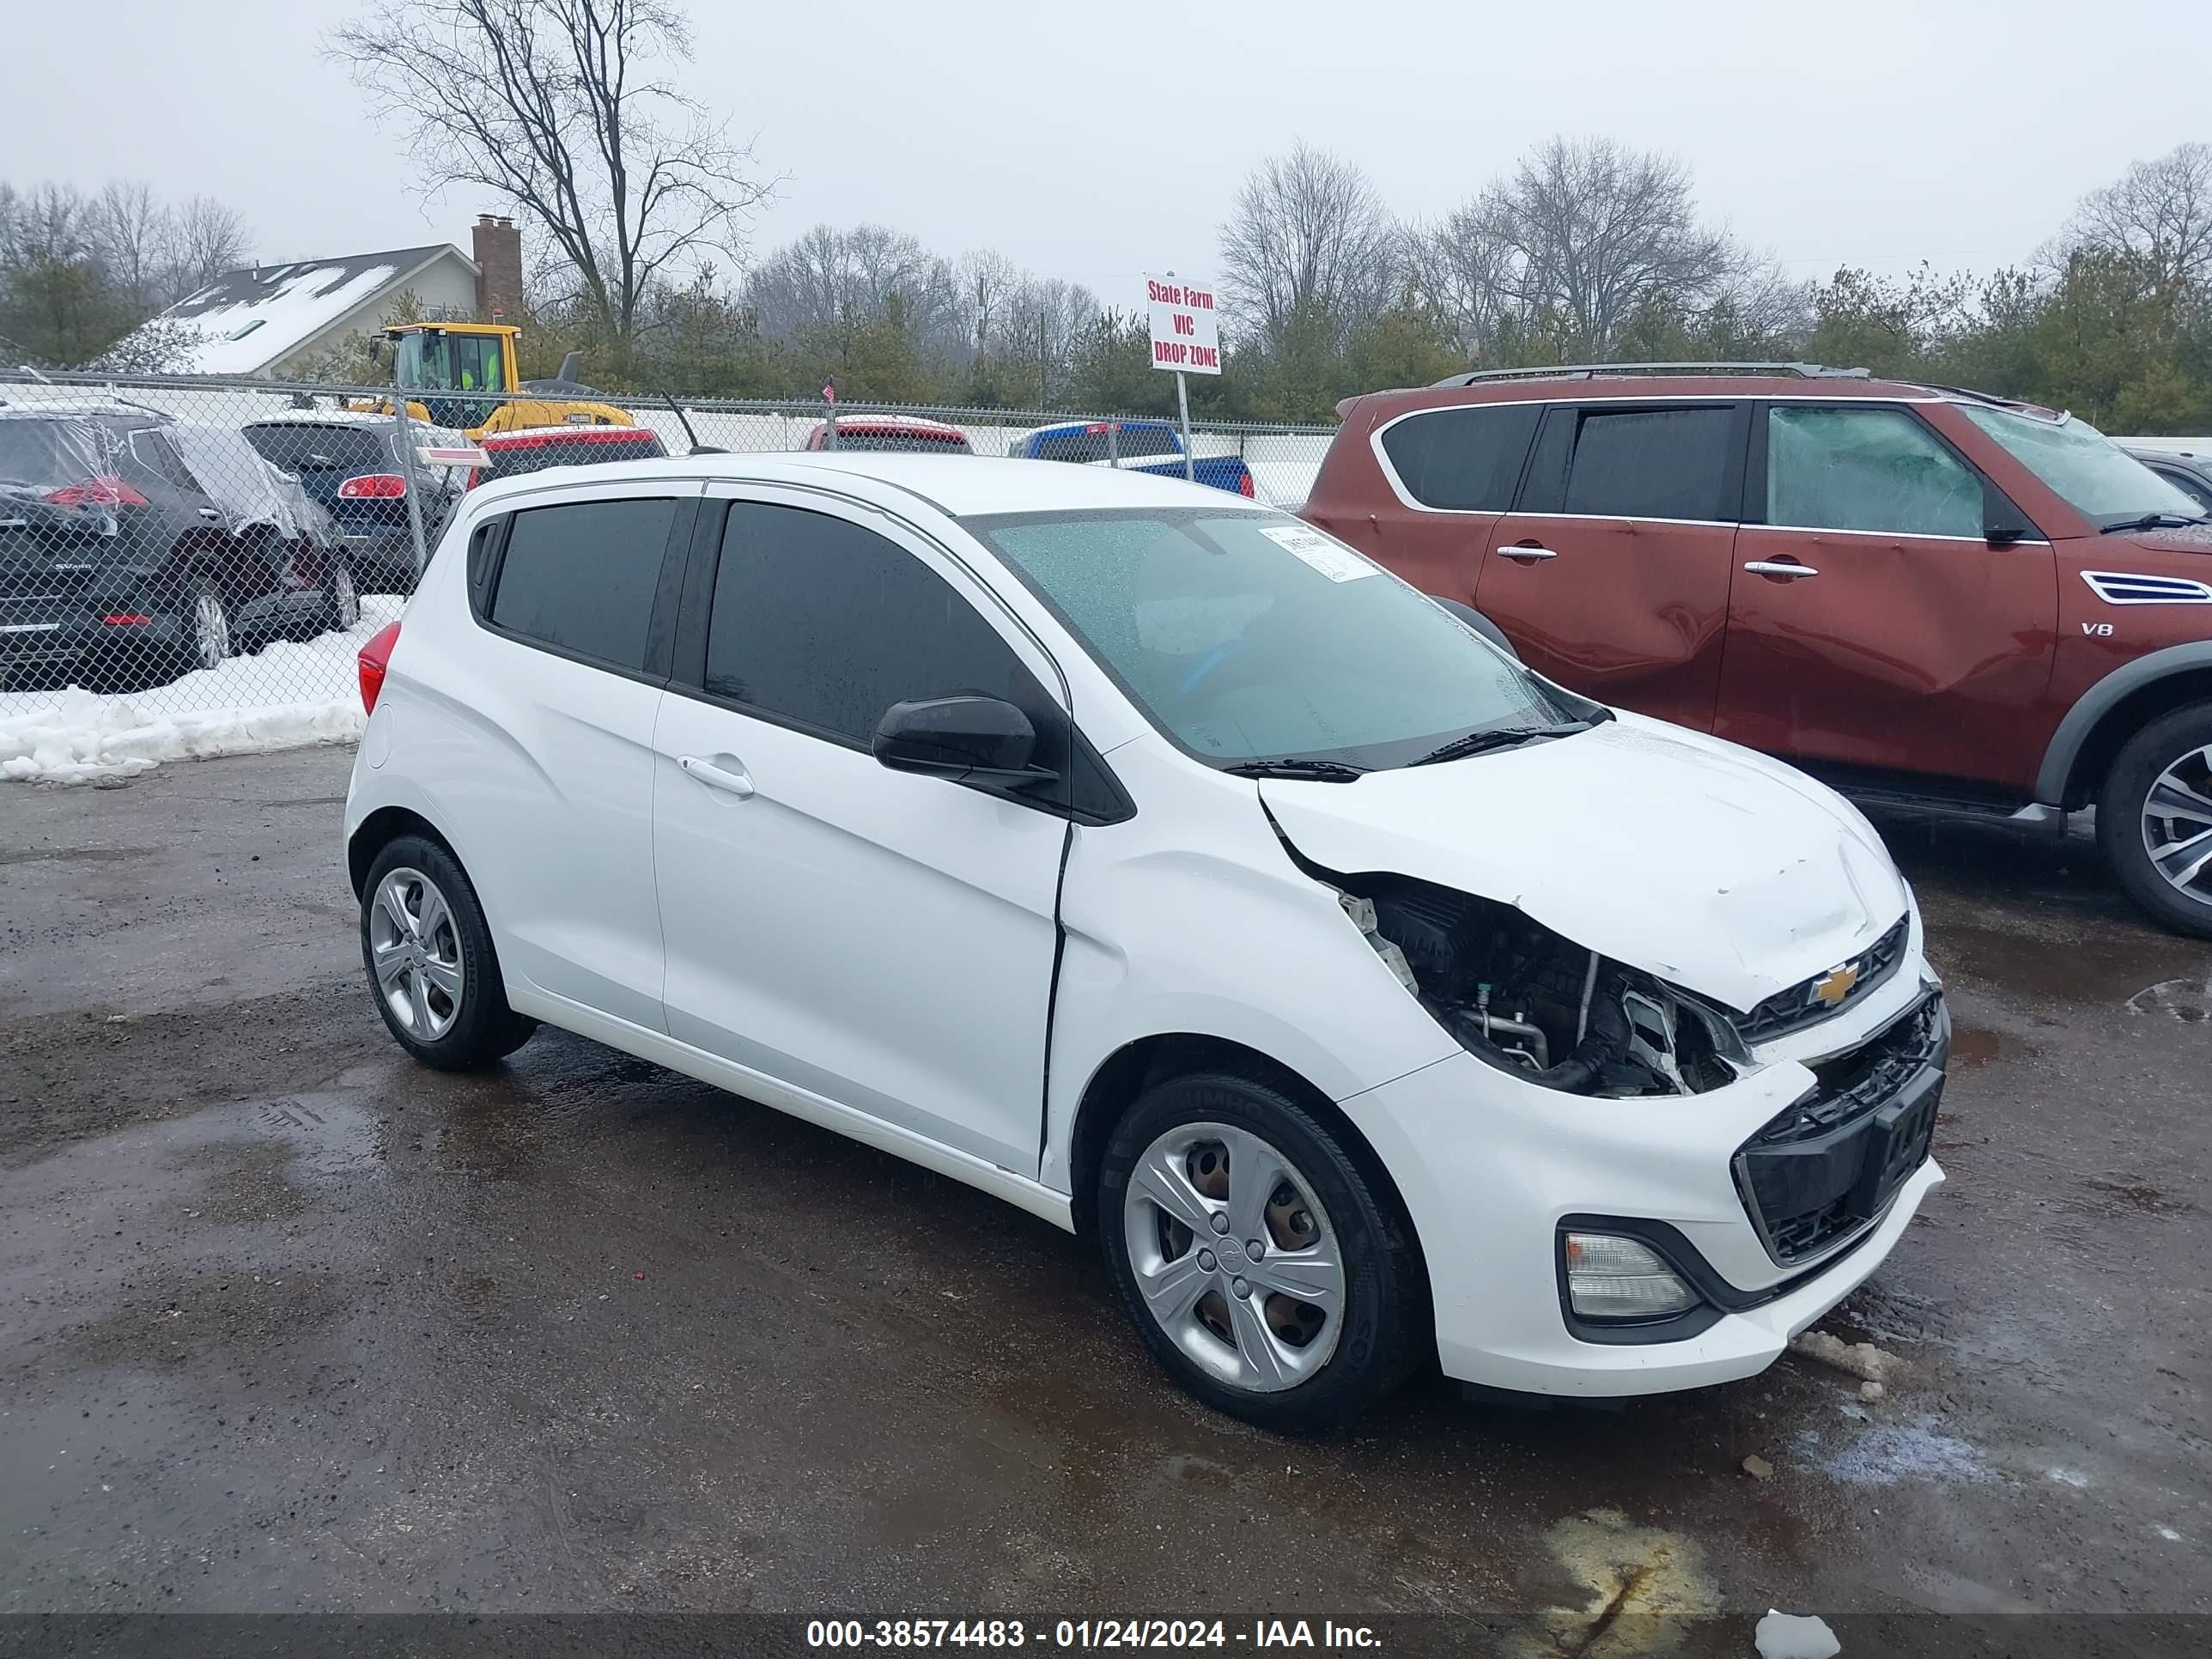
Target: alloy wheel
{"points": [[210, 629], [2177, 825], [1235, 1256], [345, 598], [415, 951]]}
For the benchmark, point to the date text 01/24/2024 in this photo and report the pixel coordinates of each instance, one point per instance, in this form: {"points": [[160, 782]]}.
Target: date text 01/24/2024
{"points": [[1083, 1633]]}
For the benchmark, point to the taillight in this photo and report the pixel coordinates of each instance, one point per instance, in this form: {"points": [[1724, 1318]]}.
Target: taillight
{"points": [[127, 619], [96, 492], [375, 658], [1244, 489], [373, 487]]}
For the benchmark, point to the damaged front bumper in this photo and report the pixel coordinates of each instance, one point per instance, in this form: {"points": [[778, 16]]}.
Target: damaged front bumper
{"points": [[1774, 1197]]}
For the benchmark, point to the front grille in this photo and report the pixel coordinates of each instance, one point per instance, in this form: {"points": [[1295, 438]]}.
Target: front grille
{"points": [[1827, 1167], [1801, 1004]]}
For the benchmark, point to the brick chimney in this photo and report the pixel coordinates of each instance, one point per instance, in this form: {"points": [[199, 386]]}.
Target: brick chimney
{"points": [[498, 250]]}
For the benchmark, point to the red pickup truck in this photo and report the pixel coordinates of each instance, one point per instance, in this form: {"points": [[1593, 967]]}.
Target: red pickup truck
{"points": [[1936, 598]]}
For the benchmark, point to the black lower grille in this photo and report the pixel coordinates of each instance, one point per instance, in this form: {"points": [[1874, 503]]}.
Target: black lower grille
{"points": [[1829, 1165]]}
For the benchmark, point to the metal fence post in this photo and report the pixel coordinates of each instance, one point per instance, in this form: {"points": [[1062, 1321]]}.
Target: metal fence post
{"points": [[1113, 441], [1183, 402], [402, 433]]}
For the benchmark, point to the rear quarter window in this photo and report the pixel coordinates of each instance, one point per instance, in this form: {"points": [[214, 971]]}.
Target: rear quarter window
{"points": [[1463, 459], [581, 578]]}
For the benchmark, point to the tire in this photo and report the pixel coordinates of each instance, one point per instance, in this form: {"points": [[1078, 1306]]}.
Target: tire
{"points": [[210, 636], [427, 950], [341, 597], [1257, 1354], [2171, 756]]}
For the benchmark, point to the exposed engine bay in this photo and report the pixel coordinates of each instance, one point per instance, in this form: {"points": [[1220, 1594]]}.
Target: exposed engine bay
{"points": [[1519, 997]]}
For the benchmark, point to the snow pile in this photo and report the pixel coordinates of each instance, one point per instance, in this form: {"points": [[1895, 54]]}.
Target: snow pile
{"points": [[77, 737], [1792, 1636]]}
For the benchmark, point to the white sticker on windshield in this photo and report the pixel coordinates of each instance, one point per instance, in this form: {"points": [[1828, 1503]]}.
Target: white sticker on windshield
{"points": [[1333, 560]]}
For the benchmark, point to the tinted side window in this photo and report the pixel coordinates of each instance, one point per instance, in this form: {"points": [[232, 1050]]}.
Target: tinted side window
{"points": [[822, 622], [1466, 458], [153, 451], [1866, 469], [582, 578], [1652, 462]]}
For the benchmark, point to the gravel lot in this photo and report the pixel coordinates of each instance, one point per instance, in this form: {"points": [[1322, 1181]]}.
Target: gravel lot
{"points": [[287, 1323]]}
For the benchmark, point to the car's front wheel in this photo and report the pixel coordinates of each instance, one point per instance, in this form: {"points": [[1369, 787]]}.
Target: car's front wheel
{"points": [[208, 620], [428, 953], [1262, 1268], [2155, 818], [341, 597]]}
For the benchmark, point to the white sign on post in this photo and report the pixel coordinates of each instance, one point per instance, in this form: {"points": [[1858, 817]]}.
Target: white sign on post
{"points": [[1185, 336]]}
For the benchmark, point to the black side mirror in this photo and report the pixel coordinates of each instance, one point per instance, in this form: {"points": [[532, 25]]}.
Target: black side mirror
{"points": [[965, 737]]}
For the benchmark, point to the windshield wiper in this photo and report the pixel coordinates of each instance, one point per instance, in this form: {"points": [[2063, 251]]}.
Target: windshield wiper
{"points": [[2153, 521], [1497, 736], [1318, 771]]}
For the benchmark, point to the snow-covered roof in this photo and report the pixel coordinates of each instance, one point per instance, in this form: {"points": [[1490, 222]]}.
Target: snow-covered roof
{"points": [[248, 318]]}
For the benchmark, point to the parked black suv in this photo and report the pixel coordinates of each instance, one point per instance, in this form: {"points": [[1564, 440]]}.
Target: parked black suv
{"points": [[134, 547]]}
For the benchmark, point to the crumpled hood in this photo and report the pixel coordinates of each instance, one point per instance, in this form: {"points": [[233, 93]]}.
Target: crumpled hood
{"points": [[1710, 867]]}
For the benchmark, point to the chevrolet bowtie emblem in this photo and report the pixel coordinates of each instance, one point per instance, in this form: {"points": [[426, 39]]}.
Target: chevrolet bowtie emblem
{"points": [[1830, 990]]}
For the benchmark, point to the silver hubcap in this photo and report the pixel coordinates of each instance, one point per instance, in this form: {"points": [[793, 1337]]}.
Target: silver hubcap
{"points": [[346, 600], [418, 954], [211, 630], [2177, 825], [1235, 1256]]}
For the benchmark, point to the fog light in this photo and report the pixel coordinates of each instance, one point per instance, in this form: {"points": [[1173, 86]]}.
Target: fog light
{"points": [[1609, 1277]]}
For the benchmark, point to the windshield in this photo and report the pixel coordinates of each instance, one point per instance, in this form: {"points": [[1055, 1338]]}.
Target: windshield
{"points": [[1250, 635], [2090, 472]]}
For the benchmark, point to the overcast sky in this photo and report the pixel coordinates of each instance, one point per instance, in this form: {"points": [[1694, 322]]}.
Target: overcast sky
{"points": [[1094, 142]]}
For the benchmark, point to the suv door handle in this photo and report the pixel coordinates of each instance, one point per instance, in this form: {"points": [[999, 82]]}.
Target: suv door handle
{"points": [[1769, 568], [729, 777], [210, 512], [1528, 555]]}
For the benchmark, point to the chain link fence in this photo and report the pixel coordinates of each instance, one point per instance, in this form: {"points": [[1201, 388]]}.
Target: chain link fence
{"points": [[190, 566]]}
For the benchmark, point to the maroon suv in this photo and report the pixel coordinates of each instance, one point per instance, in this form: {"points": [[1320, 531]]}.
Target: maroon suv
{"points": [[1933, 597]]}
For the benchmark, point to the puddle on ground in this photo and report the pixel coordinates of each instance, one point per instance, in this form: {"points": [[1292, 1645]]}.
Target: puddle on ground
{"points": [[2123, 1195], [1883, 1454], [1972, 1046], [1646, 1585]]}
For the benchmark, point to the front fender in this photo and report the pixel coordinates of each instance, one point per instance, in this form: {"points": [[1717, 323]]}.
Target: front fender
{"points": [[2066, 743]]}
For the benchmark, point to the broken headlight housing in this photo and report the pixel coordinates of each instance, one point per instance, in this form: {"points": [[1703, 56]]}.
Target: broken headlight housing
{"points": [[1519, 997]]}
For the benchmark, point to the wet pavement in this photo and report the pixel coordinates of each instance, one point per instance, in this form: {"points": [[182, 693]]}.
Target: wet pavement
{"points": [[288, 1323]]}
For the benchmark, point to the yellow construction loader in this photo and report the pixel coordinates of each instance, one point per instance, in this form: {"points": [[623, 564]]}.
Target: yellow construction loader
{"points": [[460, 375]]}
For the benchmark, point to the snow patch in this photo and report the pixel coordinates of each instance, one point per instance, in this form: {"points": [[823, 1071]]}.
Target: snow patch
{"points": [[292, 313], [77, 737], [2067, 1477], [1790, 1636], [1887, 1453]]}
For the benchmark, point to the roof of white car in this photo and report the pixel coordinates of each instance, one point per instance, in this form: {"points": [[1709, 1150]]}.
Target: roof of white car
{"points": [[960, 485]]}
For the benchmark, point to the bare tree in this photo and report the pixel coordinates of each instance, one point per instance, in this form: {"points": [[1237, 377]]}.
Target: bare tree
{"points": [[1467, 273], [1591, 230], [1309, 242], [557, 107], [1036, 333], [205, 239], [2159, 212], [832, 282], [987, 281]]}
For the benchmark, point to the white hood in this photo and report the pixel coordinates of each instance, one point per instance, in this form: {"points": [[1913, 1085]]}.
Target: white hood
{"points": [[1706, 865]]}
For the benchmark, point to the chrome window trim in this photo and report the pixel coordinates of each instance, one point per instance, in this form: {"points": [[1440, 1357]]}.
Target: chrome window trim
{"points": [[1405, 497]]}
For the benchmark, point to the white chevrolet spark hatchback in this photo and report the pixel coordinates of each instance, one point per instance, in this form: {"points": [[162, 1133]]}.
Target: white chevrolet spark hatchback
{"points": [[1152, 861]]}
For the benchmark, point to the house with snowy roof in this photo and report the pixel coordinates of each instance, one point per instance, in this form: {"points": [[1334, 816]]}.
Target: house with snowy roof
{"points": [[262, 320]]}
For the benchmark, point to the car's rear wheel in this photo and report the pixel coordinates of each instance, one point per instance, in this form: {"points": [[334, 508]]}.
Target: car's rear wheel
{"points": [[209, 640], [1262, 1268], [429, 954], [2155, 818], [341, 597]]}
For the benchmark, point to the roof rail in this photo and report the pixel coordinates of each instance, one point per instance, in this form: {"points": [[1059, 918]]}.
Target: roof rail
{"points": [[1591, 371]]}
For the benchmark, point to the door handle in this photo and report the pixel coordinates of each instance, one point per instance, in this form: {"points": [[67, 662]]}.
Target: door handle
{"points": [[1769, 568], [210, 512], [1526, 555], [730, 778]]}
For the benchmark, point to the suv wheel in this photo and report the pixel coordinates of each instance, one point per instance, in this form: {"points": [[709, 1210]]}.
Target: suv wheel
{"points": [[429, 954], [210, 620], [340, 599], [1262, 1269], [2155, 818]]}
